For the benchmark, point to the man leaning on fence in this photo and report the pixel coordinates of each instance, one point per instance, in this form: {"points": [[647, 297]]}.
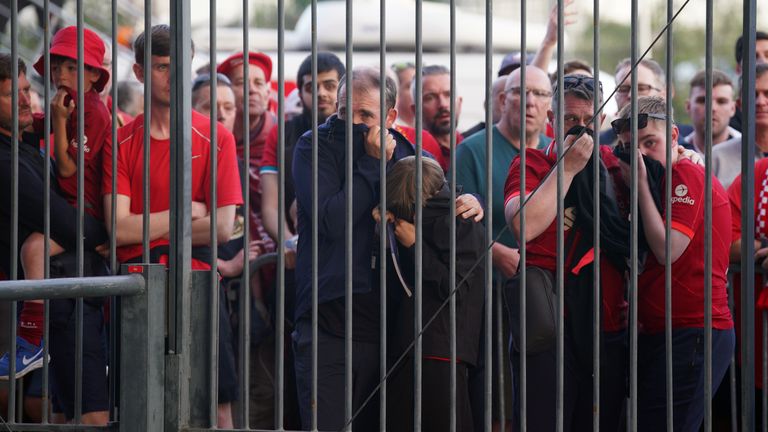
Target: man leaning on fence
{"points": [[129, 194]]}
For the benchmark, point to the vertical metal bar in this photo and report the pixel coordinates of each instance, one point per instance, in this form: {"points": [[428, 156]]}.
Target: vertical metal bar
{"points": [[748, 218], [633, 228], [500, 347], [349, 280], [452, 233], [180, 229], [522, 346], [280, 318], [382, 215], [315, 207], [214, 238], [113, 324], [596, 275], [732, 369], [245, 291], [147, 152], [764, 358], [80, 211], [488, 309], [46, 201], [560, 350], [669, 382], [418, 293], [707, 223], [14, 203]]}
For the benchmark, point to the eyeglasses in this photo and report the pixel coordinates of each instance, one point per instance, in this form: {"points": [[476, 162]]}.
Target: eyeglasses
{"points": [[622, 125], [572, 81], [642, 89], [537, 93]]}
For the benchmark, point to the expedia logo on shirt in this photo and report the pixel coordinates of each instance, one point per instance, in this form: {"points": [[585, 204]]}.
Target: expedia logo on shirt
{"points": [[682, 196], [74, 144], [569, 217]]}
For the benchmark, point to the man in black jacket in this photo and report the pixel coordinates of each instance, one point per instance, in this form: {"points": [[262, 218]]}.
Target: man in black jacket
{"points": [[30, 177]]}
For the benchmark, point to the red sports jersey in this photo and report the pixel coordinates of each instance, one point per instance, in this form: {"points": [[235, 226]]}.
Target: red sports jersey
{"points": [[130, 171], [687, 208], [734, 195], [542, 251], [97, 130]]}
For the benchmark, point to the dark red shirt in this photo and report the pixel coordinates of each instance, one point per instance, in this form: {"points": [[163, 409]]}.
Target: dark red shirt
{"points": [[542, 251]]}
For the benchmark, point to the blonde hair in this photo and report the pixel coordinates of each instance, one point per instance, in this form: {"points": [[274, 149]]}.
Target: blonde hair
{"points": [[401, 185]]}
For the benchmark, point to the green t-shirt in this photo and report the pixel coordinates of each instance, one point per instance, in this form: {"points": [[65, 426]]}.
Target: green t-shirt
{"points": [[470, 173]]}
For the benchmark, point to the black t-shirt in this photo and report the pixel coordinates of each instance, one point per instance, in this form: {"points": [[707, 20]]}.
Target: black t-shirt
{"points": [[366, 320]]}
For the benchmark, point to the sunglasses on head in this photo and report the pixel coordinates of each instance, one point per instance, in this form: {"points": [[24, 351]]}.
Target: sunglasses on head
{"points": [[571, 81], [622, 125]]}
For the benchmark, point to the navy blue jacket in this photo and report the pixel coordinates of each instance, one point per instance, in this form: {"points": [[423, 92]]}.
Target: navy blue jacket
{"points": [[332, 198]]}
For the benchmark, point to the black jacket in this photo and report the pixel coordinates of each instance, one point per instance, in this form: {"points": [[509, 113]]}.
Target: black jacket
{"points": [[31, 187], [470, 295]]}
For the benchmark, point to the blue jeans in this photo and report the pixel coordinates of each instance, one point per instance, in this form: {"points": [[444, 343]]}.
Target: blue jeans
{"points": [[687, 375]]}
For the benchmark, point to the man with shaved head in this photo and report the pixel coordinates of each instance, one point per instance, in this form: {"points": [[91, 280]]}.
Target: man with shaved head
{"points": [[471, 174]]}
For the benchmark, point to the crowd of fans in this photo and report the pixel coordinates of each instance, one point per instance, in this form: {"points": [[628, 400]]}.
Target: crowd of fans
{"points": [[512, 136]]}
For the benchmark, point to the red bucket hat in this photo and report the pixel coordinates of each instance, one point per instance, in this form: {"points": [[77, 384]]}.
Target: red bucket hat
{"points": [[255, 58], [64, 44]]}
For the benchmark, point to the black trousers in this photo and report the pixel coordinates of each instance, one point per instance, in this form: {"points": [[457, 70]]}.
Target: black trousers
{"points": [[436, 397]]}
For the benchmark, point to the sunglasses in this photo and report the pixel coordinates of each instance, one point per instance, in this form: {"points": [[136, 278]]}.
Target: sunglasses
{"points": [[622, 125], [571, 81]]}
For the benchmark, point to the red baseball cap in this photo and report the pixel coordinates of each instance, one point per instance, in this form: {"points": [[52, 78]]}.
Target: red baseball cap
{"points": [[255, 58], [64, 44]]}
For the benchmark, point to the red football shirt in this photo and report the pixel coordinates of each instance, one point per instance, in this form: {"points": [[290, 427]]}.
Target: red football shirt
{"points": [[130, 171], [430, 144], [97, 130], [734, 195], [687, 208], [542, 251]]}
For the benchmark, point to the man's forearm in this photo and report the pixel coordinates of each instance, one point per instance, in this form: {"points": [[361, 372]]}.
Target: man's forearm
{"points": [[130, 228], [539, 209], [65, 166]]}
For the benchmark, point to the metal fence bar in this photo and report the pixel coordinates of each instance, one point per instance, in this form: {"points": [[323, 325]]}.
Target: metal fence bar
{"points": [[522, 347], [280, 315], [245, 284], [732, 371], [708, 392], [113, 305], [14, 203], [46, 203], [764, 404], [147, 151], [80, 211], [383, 215], [418, 217], [560, 276], [633, 229], [62, 288], [748, 217], [596, 274], [488, 309], [349, 280], [669, 381], [315, 207], [213, 349], [452, 233]]}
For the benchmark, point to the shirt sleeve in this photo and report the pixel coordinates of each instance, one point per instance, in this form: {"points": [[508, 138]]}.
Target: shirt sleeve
{"points": [[228, 188], [269, 157], [734, 197], [122, 171], [536, 167], [687, 198]]}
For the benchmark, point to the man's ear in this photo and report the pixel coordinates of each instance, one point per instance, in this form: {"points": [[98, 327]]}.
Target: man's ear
{"points": [[675, 135], [551, 116], [738, 103], [688, 106], [138, 71], [602, 120], [391, 117]]}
